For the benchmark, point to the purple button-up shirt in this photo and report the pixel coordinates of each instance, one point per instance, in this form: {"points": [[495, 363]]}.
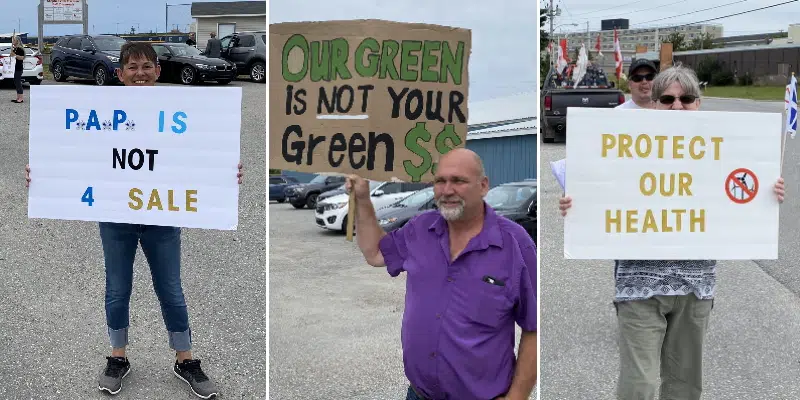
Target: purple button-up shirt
{"points": [[458, 325]]}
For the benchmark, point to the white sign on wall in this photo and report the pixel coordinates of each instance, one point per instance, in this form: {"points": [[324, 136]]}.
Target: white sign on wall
{"points": [[144, 155], [670, 185], [63, 10]]}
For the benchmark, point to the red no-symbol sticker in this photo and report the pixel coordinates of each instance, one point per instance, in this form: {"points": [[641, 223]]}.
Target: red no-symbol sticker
{"points": [[741, 186]]}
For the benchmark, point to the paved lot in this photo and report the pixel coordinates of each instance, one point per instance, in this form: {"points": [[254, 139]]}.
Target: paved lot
{"points": [[334, 321], [753, 345], [52, 322]]}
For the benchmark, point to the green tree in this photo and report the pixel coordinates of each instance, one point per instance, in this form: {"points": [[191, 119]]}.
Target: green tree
{"points": [[703, 42], [678, 41]]}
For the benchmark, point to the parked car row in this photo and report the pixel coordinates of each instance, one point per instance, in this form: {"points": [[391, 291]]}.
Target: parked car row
{"points": [[96, 57], [332, 212], [396, 203]]}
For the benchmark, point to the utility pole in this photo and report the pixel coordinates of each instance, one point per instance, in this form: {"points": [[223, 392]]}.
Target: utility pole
{"points": [[550, 15], [588, 36]]}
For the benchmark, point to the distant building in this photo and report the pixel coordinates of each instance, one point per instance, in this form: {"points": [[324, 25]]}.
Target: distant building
{"points": [[6, 37], [225, 18], [758, 39], [766, 64], [503, 132], [630, 39]]}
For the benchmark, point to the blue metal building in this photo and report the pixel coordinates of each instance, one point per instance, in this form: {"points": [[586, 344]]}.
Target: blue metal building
{"points": [[503, 132]]}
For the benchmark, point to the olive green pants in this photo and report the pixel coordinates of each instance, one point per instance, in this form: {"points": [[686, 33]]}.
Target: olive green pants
{"points": [[662, 334]]}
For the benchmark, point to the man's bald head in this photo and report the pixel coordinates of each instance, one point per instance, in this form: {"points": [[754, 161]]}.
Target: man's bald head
{"points": [[460, 183], [465, 158]]}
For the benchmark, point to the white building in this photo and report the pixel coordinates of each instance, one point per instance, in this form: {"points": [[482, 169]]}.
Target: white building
{"points": [[225, 18], [631, 39]]}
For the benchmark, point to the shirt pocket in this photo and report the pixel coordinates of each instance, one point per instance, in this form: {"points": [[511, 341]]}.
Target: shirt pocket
{"points": [[488, 304]]}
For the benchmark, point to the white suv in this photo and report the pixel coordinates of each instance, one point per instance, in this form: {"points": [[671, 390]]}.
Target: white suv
{"points": [[331, 213]]}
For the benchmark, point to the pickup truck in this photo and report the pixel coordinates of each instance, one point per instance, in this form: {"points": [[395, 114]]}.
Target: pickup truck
{"points": [[593, 91]]}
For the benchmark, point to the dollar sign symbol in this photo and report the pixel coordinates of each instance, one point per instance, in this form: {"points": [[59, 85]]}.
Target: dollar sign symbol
{"points": [[449, 132], [412, 143]]}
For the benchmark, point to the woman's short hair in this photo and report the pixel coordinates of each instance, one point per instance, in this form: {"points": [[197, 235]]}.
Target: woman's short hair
{"points": [[684, 76]]}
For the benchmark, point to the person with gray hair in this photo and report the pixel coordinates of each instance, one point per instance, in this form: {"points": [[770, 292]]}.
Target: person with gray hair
{"points": [[664, 306]]}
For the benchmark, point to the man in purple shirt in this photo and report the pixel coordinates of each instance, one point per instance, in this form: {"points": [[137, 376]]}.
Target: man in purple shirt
{"points": [[470, 275]]}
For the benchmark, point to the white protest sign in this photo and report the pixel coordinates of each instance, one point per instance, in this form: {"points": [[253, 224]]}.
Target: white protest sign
{"points": [[144, 155], [672, 185]]}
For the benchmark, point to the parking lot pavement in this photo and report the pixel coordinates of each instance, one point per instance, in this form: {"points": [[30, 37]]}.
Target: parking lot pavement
{"points": [[53, 338], [334, 321], [753, 343]]}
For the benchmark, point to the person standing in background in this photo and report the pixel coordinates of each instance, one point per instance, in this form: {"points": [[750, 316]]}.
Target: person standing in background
{"points": [[213, 47], [191, 41], [641, 74], [18, 53]]}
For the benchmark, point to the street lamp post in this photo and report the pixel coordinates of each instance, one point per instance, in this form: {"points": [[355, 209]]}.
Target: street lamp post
{"points": [[166, 14]]}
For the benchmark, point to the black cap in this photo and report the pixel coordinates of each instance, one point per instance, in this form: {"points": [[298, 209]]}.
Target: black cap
{"points": [[641, 62]]}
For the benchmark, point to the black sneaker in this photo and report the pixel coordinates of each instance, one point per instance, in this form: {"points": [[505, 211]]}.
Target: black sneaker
{"points": [[190, 372], [111, 378]]}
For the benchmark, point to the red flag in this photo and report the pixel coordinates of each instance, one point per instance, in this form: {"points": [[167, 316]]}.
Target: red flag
{"points": [[598, 47], [617, 54]]}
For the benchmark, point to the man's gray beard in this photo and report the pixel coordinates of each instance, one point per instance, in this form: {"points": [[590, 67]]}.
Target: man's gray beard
{"points": [[451, 214]]}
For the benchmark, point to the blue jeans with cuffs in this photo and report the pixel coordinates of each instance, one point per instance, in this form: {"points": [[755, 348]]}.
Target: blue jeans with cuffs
{"points": [[162, 247]]}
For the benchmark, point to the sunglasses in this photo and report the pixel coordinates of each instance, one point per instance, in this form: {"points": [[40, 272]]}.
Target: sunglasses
{"points": [[685, 99], [639, 78]]}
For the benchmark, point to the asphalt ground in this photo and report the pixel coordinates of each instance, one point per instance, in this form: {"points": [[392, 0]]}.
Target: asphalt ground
{"points": [[334, 321], [53, 339], [753, 344]]}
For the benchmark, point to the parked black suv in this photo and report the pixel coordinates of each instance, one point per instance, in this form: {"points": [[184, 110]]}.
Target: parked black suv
{"points": [[305, 194], [517, 202], [86, 57], [248, 50]]}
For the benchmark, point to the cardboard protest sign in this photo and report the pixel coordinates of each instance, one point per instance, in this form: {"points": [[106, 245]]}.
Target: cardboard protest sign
{"points": [[375, 98], [142, 155], [672, 185]]}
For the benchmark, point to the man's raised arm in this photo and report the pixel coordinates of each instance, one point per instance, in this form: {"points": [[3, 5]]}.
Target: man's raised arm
{"points": [[366, 223]]}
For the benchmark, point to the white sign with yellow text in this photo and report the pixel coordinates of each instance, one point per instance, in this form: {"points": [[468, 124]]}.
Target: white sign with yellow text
{"points": [[142, 155], [672, 185]]}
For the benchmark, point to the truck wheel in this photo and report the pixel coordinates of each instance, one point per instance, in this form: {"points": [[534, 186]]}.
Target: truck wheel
{"points": [[311, 201], [298, 206]]}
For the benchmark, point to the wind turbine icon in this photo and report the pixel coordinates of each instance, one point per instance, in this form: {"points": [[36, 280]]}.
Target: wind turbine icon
{"points": [[743, 180]]}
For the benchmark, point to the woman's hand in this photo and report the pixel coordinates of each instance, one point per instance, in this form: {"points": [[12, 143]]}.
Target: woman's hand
{"points": [[564, 204], [780, 190]]}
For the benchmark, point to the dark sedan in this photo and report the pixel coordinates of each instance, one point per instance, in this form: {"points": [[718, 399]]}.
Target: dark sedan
{"points": [[186, 64], [396, 215], [517, 202]]}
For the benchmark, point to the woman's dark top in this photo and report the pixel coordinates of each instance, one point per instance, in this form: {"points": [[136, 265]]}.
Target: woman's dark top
{"points": [[19, 51]]}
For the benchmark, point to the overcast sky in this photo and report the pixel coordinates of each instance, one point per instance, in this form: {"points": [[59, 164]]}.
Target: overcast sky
{"points": [[644, 13], [504, 47], [104, 15]]}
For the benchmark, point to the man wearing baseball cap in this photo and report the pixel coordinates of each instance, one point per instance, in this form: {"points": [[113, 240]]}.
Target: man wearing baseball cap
{"points": [[640, 81]]}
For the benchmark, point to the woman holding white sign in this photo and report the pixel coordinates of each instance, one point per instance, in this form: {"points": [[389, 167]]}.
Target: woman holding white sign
{"points": [[664, 306]]}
